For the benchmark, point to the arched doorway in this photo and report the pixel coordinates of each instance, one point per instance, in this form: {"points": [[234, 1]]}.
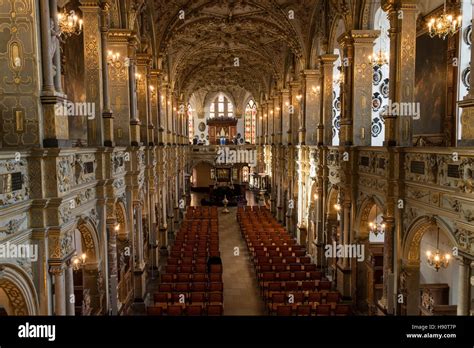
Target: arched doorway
{"points": [[369, 274], [87, 278], [415, 273], [17, 292]]}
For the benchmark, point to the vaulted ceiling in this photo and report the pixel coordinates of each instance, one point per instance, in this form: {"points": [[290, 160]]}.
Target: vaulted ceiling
{"points": [[209, 46]]}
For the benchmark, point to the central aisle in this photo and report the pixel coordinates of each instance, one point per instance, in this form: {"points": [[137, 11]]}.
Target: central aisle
{"points": [[241, 294]]}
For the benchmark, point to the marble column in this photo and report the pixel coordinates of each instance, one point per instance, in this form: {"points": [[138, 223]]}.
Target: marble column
{"points": [[464, 286], [154, 131], [142, 83], [402, 33], [70, 297], [285, 116], [312, 82], [325, 116], [135, 123], [107, 116], [95, 29], [59, 289], [53, 7], [112, 267], [55, 124], [362, 72], [294, 112]]}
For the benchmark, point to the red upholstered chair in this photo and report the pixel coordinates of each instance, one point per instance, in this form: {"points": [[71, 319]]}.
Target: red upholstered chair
{"points": [[215, 277], [342, 310], [310, 267], [291, 286], [199, 277], [175, 310], [303, 310], [171, 269], [199, 287], [299, 276], [216, 298], [194, 311], [182, 288], [277, 299], [284, 311], [295, 267], [200, 268], [198, 298], [167, 278], [215, 310], [216, 268], [284, 276], [323, 310], [182, 277], [154, 310], [308, 286], [165, 287], [186, 269], [214, 287], [161, 299]]}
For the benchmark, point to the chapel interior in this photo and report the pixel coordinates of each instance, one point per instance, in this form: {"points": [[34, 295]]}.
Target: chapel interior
{"points": [[236, 158]]}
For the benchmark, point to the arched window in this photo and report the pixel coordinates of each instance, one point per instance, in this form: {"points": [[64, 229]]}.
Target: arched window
{"points": [[221, 107], [245, 174], [464, 58], [381, 82], [250, 122]]}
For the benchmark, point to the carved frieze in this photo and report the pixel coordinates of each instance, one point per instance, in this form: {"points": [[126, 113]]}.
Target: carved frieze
{"points": [[65, 174]]}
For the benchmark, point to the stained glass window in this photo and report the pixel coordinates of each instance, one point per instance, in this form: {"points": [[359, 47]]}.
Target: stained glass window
{"points": [[250, 122]]}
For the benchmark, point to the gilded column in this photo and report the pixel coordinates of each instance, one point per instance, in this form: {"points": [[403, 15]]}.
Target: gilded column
{"points": [[55, 124], [95, 60], [285, 117], [135, 123], [325, 116], [112, 230], [346, 134], [403, 19], [294, 112], [53, 6], [312, 108], [154, 107], [142, 84]]}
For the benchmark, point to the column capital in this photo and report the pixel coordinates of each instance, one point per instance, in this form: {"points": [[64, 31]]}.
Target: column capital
{"points": [[328, 59], [57, 270]]}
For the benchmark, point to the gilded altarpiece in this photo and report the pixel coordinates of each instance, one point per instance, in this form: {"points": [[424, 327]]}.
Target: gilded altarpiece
{"points": [[19, 78]]}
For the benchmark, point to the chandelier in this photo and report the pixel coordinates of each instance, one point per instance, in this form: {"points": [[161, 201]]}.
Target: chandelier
{"points": [[69, 23], [445, 25], [78, 262], [435, 259], [375, 227], [381, 58]]}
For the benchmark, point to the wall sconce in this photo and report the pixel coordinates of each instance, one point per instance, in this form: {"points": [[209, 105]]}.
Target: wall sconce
{"points": [[113, 57], [337, 206], [117, 227], [152, 91], [299, 98], [315, 90]]}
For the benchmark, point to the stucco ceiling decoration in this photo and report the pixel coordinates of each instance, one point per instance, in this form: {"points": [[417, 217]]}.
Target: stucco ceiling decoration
{"points": [[200, 50]]}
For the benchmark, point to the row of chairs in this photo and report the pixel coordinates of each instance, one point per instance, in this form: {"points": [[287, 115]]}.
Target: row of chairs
{"points": [[321, 310], [190, 310], [189, 286], [284, 271]]}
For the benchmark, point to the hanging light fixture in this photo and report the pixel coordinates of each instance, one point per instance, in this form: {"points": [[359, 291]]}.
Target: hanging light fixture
{"points": [[435, 259], [381, 58], [445, 25], [69, 23], [78, 262], [375, 227]]}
